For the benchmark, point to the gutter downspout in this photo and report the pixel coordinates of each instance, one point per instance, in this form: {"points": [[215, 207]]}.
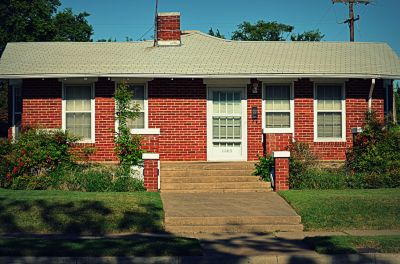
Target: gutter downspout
{"points": [[371, 91]]}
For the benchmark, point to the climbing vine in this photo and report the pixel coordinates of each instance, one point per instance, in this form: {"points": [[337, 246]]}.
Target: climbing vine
{"points": [[127, 146]]}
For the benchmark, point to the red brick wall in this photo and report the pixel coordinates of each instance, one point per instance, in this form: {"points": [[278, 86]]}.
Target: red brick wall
{"points": [[254, 127], [179, 108], [41, 105], [150, 173], [169, 28], [105, 121], [281, 174]]}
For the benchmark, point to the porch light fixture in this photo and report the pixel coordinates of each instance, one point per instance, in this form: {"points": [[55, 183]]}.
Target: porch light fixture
{"points": [[254, 90]]}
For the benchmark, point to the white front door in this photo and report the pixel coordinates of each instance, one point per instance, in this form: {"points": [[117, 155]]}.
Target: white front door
{"points": [[226, 124]]}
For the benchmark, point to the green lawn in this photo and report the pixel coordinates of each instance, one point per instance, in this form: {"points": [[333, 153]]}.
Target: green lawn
{"points": [[346, 209], [128, 246], [79, 212], [354, 244]]}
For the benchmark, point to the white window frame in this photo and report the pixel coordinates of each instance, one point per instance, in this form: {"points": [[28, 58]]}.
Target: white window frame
{"points": [[342, 111], [145, 130], [288, 130], [92, 110]]}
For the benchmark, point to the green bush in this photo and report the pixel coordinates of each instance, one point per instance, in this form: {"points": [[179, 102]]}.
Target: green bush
{"points": [[37, 152], [376, 154], [264, 167], [128, 184], [301, 162], [93, 178]]}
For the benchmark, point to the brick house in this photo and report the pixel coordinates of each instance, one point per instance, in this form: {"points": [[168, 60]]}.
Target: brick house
{"points": [[202, 98]]}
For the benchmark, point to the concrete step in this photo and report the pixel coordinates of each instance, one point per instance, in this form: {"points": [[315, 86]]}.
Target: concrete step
{"points": [[233, 228], [206, 165], [215, 185], [209, 179], [199, 172], [218, 190], [231, 220]]}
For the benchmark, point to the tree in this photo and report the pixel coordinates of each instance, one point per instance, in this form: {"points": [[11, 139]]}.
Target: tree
{"points": [[215, 34], [107, 40], [312, 35], [262, 30], [38, 20], [71, 27]]}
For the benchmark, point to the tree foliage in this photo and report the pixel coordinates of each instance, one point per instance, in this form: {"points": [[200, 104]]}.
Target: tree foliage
{"points": [[271, 31], [38, 20], [312, 35], [216, 33], [261, 31]]}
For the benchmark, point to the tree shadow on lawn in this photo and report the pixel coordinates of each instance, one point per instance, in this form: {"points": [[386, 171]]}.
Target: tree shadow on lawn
{"points": [[80, 217]]}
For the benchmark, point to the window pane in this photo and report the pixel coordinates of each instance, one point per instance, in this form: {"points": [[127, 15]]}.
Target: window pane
{"points": [[329, 97], [278, 97], [78, 98], [329, 125], [227, 128], [237, 103], [138, 94], [277, 120], [138, 122], [79, 124]]}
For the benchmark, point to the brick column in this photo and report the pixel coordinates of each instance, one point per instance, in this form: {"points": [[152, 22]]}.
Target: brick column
{"points": [[281, 160], [150, 171]]}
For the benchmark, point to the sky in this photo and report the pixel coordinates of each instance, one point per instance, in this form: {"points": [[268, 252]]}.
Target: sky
{"points": [[379, 21]]}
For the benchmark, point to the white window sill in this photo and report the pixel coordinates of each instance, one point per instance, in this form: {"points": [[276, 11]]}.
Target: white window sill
{"points": [[145, 131], [330, 140], [86, 141], [277, 130]]}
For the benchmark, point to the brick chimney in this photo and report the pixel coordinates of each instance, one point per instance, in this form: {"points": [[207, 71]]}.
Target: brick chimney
{"points": [[169, 29]]}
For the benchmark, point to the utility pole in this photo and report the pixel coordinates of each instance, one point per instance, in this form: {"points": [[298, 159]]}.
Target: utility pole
{"points": [[351, 19], [156, 25]]}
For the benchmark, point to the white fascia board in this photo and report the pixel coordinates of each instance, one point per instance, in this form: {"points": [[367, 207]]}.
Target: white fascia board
{"points": [[203, 76], [281, 154]]}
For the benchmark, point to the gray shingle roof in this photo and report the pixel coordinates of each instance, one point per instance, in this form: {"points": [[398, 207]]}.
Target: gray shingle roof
{"points": [[200, 55]]}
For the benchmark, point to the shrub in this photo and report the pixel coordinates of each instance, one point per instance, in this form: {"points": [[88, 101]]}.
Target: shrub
{"points": [[301, 161], [376, 153], [264, 167], [128, 184], [36, 152], [93, 178]]}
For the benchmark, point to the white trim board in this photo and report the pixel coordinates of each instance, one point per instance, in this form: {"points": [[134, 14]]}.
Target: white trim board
{"points": [[200, 76]]}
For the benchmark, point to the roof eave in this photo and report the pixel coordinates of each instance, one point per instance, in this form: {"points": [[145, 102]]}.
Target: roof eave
{"points": [[202, 76]]}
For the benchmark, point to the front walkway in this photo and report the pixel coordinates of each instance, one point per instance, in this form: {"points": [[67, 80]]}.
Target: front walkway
{"points": [[228, 212]]}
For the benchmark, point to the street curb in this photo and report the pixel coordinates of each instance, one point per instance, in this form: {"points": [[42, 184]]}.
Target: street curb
{"points": [[371, 258]]}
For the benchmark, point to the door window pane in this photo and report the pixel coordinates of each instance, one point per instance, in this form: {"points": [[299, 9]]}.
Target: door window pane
{"points": [[227, 127]]}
